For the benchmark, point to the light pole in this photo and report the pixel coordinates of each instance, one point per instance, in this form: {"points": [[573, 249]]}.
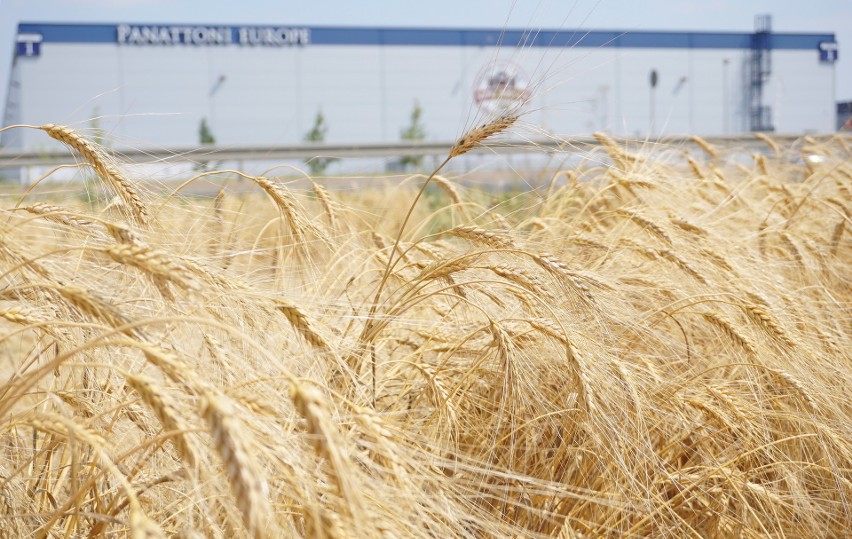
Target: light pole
{"points": [[213, 89], [725, 119], [603, 92], [654, 78]]}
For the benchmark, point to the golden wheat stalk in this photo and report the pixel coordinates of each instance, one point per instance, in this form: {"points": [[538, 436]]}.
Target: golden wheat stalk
{"points": [[696, 168], [248, 485], [93, 306], [708, 148], [686, 226], [467, 142], [525, 279], [287, 206], [769, 142], [58, 214], [477, 136], [615, 151], [161, 266], [97, 157], [302, 323], [762, 165], [764, 320], [477, 234], [645, 223], [559, 268], [166, 411], [324, 197], [310, 404], [687, 268], [448, 188], [25, 316], [837, 235], [729, 330], [385, 450]]}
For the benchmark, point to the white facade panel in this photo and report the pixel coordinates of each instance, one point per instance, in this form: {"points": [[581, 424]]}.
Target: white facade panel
{"points": [[157, 94], [68, 84], [802, 93], [434, 77], [346, 83]]}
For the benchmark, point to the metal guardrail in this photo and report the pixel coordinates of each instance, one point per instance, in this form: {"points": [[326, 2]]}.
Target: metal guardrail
{"points": [[205, 154]]}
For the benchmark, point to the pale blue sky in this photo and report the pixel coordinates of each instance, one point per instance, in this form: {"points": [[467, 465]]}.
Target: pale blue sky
{"points": [[704, 15]]}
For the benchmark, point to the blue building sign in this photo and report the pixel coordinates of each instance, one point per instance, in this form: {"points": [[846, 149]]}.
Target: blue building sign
{"points": [[283, 36], [828, 52], [28, 44]]}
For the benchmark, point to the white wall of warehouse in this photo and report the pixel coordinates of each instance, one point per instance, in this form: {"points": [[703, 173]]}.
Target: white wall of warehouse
{"points": [[157, 95]]}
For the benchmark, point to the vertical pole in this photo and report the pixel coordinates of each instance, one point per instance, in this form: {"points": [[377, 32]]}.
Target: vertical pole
{"points": [[211, 98], [725, 113], [653, 114], [652, 108]]}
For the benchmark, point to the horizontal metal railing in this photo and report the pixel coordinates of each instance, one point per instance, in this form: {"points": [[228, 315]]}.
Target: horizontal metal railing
{"points": [[205, 154]]}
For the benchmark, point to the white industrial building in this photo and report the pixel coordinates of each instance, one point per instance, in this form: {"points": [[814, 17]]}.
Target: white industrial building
{"points": [[150, 85]]}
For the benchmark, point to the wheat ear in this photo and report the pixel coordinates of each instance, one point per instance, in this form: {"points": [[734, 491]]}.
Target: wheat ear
{"points": [[731, 332], [22, 315], [476, 136], [166, 411], [787, 378], [448, 188], [686, 226], [463, 145], [643, 222], [302, 324], [66, 427], [97, 157], [669, 255], [287, 206], [161, 266], [764, 320], [525, 279], [769, 142], [327, 204], [615, 152], [384, 449], [696, 168], [761, 164], [249, 487], [481, 235], [58, 214], [95, 307], [310, 404], [169, 363], [559, 268], [708, 148], [836, 235]]}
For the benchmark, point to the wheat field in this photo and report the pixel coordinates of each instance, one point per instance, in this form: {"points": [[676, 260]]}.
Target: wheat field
{"points": [[655, 343]]}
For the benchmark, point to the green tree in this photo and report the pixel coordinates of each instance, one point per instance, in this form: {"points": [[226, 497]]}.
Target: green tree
{"points": [[316, 135], [415, 131], [205, 135]]}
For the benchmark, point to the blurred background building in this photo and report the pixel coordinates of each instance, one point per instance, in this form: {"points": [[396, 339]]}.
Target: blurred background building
{"points": [[844, 116], [173, 85]]}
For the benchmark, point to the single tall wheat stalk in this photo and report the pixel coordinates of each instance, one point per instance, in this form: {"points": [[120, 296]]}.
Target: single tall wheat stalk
{"points": [[97, 157]]}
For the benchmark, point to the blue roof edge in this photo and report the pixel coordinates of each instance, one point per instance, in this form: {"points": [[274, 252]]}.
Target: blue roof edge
{"points": [[340, 35]]}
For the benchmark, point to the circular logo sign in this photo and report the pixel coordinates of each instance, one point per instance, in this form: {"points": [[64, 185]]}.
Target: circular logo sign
{"points": [[500, 87]]}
